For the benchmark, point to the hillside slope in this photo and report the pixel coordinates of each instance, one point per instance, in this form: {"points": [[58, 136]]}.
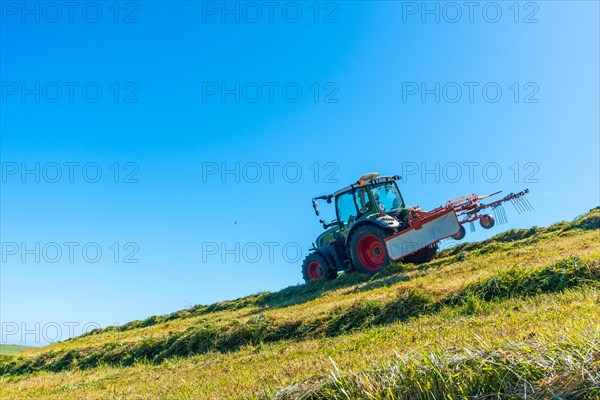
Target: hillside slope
{"points": [[12, 349], [513, 315]]}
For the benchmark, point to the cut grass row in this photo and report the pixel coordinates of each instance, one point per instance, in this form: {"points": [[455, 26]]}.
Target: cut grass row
{"points": [[407, 303], [503, 242], [532, 248], [261, 371], [568, 368]]}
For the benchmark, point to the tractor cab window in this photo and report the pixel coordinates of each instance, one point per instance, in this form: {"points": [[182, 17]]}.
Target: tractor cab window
{"points": [[346, 208], [387, 197], [362, 200], [350, 205]]}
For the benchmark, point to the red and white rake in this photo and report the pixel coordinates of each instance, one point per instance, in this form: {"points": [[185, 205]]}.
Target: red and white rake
{"points": [[426, 228]]}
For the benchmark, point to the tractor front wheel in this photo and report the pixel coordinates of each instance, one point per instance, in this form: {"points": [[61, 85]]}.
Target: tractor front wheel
{"points": [[367, 249], [316, 268]]}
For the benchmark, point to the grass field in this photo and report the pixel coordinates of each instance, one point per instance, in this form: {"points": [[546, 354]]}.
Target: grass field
{"points": [[11, 348], [515, 316]]}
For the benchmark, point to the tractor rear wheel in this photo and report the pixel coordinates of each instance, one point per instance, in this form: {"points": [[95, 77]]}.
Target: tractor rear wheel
{"points": [[315, 268], [367, 249]]}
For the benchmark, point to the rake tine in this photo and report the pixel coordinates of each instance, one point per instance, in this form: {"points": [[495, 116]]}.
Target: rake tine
{"points": [[518, 201], [502, 214], [514, 203], [528, 203], [522, 205], [498, 214], [472, 227]]}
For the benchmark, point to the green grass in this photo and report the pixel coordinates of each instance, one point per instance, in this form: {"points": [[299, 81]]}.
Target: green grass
{"points": [[12, 348], [513, 315], [545, 369]]}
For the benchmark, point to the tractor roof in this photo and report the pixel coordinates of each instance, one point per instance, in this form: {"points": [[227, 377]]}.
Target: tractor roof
{"points": [[365, 180]]}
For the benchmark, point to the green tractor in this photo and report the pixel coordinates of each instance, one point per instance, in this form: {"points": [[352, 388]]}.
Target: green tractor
{"points": [[373, 227]]}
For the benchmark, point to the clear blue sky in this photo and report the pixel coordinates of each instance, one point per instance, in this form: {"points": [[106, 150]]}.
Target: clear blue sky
{"points": [[370, 60]]}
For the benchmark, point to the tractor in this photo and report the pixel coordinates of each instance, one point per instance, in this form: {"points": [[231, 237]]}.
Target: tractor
{"points": [[373, 227]]}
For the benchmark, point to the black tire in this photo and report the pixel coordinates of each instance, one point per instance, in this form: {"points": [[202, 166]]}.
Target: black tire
{"points": [[487, 221], [460, 235], [315, 267], [422, 256], [367, 249]]}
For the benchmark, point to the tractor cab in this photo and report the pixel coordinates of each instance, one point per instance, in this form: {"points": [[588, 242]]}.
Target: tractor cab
{"points": [[370, 195], [367, 197]]}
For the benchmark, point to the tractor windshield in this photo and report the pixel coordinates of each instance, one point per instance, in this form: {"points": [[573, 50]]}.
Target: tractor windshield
{"points": [[387, 196]]}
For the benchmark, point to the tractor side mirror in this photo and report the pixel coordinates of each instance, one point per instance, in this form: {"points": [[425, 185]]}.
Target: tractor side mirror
{"points": [[316, 207]]}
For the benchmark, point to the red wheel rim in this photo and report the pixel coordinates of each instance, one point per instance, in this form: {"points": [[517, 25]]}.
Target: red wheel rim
{"points": [[371, 252], [314, 271]]}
